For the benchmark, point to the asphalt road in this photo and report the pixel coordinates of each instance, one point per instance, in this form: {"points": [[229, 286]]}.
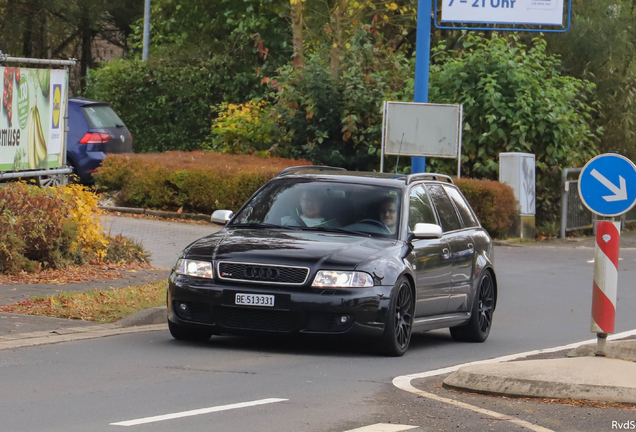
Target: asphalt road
{"points": [[324, 384]]}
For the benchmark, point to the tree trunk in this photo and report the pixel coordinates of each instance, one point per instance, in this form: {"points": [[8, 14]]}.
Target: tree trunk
{"points": [[334, 64], [27, 45], [297, 29], [86, 60], [86, 34]]}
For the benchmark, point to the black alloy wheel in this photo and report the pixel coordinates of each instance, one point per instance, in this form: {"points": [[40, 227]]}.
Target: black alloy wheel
{"points": [[478, 328], [399, 323]]}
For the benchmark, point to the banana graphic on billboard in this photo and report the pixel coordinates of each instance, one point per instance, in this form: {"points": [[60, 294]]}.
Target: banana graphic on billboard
{"points": [[35, 139]]}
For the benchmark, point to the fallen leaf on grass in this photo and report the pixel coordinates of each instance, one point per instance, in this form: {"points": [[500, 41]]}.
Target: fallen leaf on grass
{"points": [[73, 274], [95, 305]]}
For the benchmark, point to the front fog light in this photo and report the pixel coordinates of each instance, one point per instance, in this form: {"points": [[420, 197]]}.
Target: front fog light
{"points": [[342, 279], [202, 269]]}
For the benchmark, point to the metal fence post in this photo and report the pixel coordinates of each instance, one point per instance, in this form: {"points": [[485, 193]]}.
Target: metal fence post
{"points": [[564, 202], [565, 192]]}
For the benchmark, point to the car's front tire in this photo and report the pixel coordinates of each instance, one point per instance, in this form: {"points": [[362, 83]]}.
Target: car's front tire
{"points": [[188, 334], [478, 327], [399, 322]]}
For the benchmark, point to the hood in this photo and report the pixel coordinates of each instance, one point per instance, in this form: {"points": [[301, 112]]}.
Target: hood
{"points": [[295, 248]]}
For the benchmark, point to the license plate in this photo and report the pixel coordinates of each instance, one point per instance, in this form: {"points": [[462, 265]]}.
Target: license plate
{"points": [[254, 300]]}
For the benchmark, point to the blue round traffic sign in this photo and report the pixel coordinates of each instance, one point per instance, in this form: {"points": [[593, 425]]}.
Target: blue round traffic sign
{"points": [[607, 185]]}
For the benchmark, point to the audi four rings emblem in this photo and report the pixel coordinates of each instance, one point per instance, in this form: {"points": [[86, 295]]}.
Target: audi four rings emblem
{"points": [[270, 273]]}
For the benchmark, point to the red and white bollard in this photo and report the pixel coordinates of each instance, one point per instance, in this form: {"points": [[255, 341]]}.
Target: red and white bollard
{"points": [[605, 281]]}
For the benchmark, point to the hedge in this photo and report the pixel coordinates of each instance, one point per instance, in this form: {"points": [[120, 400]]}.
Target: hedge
{"points": [[192, 181], [493, 202], [206, 181]]}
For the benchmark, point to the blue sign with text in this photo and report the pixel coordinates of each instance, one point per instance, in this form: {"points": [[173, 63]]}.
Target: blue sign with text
{"points": [[607, 185]]}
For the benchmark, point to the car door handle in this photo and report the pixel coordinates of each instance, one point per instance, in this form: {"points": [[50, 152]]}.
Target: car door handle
{"points": [[470, 246], [446, 252]]}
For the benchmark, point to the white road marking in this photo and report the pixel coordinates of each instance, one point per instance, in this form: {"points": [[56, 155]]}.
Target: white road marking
{"points": [[196, 412], [404, 382], [383, 427]]}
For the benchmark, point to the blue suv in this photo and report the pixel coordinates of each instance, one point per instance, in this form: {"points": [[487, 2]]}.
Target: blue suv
{"points": [[94, 129]]}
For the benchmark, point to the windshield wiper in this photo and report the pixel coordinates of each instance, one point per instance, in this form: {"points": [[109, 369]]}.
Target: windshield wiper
{"points": [[336, 230], [260, 225]]}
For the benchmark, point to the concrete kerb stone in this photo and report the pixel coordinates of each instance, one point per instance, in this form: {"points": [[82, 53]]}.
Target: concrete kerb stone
{"points": [[72, 334], [591, 378], [149, 316], [158, 213], [623, 350]]}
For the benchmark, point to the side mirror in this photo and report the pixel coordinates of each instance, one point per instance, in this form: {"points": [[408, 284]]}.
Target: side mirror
{"points": [[427, 231], [222, 217]]}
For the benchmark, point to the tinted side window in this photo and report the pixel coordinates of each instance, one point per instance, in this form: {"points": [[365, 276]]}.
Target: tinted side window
{"points": [[445, 209], [420, 209], [462, 207]]}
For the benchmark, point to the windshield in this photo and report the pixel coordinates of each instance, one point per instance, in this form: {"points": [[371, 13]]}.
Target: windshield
{"points": [[326, 206]]}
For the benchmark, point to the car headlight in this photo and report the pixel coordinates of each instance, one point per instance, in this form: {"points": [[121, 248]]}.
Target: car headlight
{"points": [[202, 269], [342, 279]]}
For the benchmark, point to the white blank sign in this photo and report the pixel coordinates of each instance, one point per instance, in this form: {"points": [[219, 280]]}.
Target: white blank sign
{"points": [[421, 129]]}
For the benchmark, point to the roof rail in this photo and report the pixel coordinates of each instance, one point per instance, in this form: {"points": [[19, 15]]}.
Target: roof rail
{"points": [[295, 169], [428, 176]]}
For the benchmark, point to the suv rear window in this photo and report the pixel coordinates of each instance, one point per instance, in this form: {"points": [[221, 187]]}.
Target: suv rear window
{"points": [[101, 116]]}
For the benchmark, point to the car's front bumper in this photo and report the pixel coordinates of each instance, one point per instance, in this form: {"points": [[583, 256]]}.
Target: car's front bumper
{"points": [[202, 303]]}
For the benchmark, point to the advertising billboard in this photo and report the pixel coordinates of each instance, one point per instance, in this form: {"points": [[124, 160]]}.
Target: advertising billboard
{"points": [[32, 134]]}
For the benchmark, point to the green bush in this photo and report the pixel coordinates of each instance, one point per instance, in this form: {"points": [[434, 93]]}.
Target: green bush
{"points": [[515, 99], [167, 106], [195, 181], [52, 228], [493, 202]]}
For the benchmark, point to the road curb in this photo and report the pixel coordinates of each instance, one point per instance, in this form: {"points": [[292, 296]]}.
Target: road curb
{"points": [[149, 316], [505, 243], [72, 334], [158, 213], [553, 378]]}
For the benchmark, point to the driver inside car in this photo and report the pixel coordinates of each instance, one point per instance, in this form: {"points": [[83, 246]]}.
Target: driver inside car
{"points": [[388, 214], [310, 213]]}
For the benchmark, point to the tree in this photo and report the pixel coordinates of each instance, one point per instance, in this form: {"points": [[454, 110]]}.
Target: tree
{"points": [[515, 100], [600, 47], [56, 28]]}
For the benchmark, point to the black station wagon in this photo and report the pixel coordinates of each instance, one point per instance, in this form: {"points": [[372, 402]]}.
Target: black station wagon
{"points": [[322, 250]]}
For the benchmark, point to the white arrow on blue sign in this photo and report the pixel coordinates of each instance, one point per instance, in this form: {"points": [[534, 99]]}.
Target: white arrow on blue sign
{"points": [[607, 185]]}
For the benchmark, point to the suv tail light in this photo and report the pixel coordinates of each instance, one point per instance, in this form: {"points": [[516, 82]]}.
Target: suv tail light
{"points": [[95, 138]]}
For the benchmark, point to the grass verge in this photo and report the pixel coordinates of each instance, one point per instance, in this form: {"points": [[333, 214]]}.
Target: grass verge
{"points": [[102, 306]]}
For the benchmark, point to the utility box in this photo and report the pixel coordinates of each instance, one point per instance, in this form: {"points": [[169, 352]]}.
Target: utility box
{"points": [[518, 171]]}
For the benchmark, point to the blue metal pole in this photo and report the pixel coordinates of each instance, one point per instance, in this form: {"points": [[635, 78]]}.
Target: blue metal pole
{"points": [[422, 60]]}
